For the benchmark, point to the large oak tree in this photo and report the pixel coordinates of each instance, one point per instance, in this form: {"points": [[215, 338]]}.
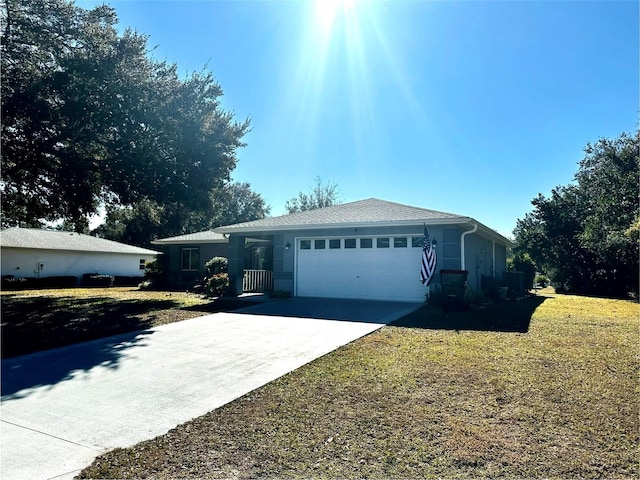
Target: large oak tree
{"points": [[90, 119]]}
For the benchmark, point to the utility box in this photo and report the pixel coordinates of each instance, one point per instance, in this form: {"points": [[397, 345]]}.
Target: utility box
{"points": [[454, 283]]}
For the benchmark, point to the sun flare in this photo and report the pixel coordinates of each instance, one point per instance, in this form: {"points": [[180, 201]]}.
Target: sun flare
{"points": [[325, 11]]}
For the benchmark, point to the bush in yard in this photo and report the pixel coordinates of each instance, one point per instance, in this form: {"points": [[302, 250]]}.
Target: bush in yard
{"points": [[522, 262], [154, 275], [9, 282], [56, 282], [216, 285], [542, 280], [216, 266]]}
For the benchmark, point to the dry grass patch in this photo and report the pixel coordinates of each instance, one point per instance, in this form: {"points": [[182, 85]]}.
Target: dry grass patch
{"points": [[558, 401]]}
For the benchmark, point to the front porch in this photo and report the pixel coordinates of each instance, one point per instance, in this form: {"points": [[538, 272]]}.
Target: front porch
{"points": [[257, 281], [257, 275]]}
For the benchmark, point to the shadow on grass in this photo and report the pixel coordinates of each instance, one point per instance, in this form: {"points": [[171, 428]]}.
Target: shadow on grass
{"points": [[514, 317], [40, 324], [32, 324]]}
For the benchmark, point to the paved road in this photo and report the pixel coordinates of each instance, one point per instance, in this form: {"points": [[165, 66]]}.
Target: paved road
{"points": [[61, 408]]}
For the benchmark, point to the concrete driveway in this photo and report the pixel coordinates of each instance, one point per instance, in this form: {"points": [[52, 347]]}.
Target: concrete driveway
{"points": [[63, 407]]}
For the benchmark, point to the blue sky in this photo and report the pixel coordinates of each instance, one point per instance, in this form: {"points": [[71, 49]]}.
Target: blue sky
{"points": [[468, 107]]}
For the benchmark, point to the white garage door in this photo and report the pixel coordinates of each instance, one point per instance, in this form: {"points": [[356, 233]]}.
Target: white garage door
{"points": [[378, 268]]}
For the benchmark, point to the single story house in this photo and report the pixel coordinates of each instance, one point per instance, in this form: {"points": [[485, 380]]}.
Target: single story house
{"points": [[185, 255], [368, 249], [36, 253]]}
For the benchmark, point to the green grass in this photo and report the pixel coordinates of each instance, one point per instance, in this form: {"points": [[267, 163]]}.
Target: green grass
{"points": [[35, 320], [441, 394]]}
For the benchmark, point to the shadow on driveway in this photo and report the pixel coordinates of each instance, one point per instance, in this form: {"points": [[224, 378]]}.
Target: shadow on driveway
{"points": [[48, 368], [364, 311]]}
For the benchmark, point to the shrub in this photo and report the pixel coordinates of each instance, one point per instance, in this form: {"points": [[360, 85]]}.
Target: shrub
{"points": [[97, 280], [216, 285], [9, 282], [216, 266], [56, 282], [155, 275], [542, 280]]}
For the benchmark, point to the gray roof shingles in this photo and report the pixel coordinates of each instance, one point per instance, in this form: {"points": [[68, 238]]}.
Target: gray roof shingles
{"points": [[367, 211], [206, 236], [55, 240]]}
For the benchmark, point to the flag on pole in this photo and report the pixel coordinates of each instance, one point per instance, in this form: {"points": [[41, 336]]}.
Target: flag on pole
{"points": [[428, 259]]}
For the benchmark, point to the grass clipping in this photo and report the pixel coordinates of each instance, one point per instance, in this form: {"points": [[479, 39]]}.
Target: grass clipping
{"points": [[557, 401]]}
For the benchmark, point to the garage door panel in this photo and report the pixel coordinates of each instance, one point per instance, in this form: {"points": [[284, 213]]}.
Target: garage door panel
{"points": [[376, 273]]}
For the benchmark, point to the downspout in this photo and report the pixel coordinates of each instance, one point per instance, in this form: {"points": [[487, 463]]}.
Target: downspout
{"points": [[464, 234]]}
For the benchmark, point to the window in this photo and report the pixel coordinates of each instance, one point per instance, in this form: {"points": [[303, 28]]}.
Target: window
{"points": [[382, 243], [190, 259], [349, 243], [417, 241], [400, 242], [366, 243], [334, 243], [319, 244], [305, 244], [143, 263]]}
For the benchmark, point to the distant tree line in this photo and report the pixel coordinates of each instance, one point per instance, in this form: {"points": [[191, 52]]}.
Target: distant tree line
{"points": [[90, 121], [586, 235], [319, 196]]}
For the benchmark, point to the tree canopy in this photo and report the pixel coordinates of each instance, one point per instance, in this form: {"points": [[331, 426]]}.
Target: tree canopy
{"points": [[585, 235], [319, 196], [90, 119], [147, 220]]}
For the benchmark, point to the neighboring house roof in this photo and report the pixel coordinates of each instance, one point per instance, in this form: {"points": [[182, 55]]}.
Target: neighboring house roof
{"points": [[56, 240], [206, 236], [363, 213]]}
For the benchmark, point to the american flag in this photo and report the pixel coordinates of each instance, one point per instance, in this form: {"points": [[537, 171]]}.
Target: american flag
{"points": [[428, 259]]}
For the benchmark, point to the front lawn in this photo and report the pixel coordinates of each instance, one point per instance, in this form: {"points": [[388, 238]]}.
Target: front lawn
{"points": [[34, 320], [552, 394]]}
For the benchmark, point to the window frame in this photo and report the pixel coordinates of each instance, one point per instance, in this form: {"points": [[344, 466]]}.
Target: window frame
{"points": [[401, 240], [305, 244], [369, 243], [382, 240], [192, 257], [332, 243]]}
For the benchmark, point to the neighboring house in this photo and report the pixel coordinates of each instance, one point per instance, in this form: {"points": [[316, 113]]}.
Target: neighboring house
{"points": [[185, 255], [369, 249], [29, 252]]}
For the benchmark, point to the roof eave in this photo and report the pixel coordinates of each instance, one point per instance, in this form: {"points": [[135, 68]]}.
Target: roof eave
{"points": [[187, 242], [402, 223], [319, 226]]}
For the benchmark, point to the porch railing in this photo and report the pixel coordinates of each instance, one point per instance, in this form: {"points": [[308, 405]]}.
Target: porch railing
{"points": [[257, 281]]}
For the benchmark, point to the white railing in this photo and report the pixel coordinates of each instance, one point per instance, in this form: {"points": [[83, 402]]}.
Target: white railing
{"points": [[257, 281]]}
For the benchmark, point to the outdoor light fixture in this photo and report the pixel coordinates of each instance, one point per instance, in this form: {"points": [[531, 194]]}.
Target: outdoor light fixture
{"points": [[434, 244], [287, 246]]}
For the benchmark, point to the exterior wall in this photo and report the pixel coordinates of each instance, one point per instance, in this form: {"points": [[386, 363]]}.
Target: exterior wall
{"points": [[23, 263], [479, 252], [236, 263], [173, 257], [501, 260], [448, 250], [480, 260]]}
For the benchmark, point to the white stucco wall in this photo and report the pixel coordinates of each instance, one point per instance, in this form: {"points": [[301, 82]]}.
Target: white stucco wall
{"points": [[23, 262]]}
